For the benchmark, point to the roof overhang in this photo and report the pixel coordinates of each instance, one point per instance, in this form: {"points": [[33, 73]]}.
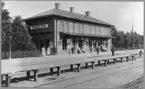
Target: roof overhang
{"points": [[87, 35]]}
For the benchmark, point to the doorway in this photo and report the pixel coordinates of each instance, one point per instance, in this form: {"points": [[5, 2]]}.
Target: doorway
{"points": [[42, 43]]}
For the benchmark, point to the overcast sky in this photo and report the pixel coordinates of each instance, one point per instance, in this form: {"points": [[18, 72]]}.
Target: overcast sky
{"points": [[119, 14]]}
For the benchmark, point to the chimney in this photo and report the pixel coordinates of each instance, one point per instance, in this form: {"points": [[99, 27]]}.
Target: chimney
{"points": [[87, 13], [57, 5], [71, 9]]}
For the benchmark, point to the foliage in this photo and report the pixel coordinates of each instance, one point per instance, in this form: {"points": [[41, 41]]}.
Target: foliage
{"points": [[16, 29], [6, 26], [127, 39], [21, 54], [21, 39]]}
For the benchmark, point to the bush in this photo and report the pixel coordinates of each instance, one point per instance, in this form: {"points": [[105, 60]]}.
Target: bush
{"points": [[21, 54]]}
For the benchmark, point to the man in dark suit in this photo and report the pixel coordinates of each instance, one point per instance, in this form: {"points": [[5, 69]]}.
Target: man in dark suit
{"points": [[113, 50]]}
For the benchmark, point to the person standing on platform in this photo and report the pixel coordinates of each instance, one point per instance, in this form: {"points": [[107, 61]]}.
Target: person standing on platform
{"points": [[73, 49], [113, 50], [43, 51], [97, 49], [69, 48], [48, 51], [78, 50], [140, 53], [84, 49]]}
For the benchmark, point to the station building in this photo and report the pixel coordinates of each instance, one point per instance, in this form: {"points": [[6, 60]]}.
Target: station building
{"points": [[58, 28]]}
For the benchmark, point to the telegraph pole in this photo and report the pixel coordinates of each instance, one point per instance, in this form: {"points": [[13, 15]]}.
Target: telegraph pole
{"points": [[132, 34]]}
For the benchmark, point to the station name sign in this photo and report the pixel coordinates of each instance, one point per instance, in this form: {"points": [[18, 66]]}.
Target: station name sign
{"points": [[39, 26]]}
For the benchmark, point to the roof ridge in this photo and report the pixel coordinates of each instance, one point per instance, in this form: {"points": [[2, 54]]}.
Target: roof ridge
{"points": [[64, 13]]}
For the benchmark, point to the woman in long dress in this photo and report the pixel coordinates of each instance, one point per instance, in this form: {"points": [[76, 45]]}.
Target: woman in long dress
{"points": [[48, 51], [43, 51], [69, 48]]}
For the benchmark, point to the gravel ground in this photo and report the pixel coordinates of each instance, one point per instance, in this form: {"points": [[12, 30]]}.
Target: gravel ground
{"points": [[136, 84]]}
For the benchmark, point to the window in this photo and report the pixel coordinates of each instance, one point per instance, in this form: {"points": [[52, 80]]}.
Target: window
{"points": [[71, 27], [61, 26], [64, 44], [75, 27], [102, 30], [78, 27], [81, 28], [85, 29], [67, 26], [109, 32], [90, 29], [96, 30], [93, 29], [58, 25]]}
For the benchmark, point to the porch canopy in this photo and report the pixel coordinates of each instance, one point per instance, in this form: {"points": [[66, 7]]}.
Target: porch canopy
{"points": [[86, 35]]}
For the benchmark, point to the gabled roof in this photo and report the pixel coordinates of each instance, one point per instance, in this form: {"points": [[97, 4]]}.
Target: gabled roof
{"points": [[67, 14]]}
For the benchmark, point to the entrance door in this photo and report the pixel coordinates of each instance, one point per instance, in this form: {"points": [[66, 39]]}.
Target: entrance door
{"points": [[80, 43], [64, 44], [44, 43]]}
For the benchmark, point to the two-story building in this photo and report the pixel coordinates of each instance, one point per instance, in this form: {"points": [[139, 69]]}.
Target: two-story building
{"points": [[58, 28]]}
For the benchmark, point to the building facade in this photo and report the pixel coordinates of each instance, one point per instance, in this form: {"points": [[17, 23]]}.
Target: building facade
{"points": [[60, 30]]}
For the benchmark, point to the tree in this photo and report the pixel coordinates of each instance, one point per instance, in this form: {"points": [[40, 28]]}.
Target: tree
{"points": [[21, 39], [6, 26], [115, 34], [127, 39]]}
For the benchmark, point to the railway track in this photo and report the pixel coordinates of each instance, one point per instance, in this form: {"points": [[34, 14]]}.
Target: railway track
{"points": [[132, 65], [99, 77]]}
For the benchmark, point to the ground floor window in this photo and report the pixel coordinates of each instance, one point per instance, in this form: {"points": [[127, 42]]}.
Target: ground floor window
{"points": [[42, 43], [64, 44]]}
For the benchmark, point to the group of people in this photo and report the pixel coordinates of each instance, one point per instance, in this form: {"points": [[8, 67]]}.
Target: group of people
{"points": [[45, 52], [76, 49]]}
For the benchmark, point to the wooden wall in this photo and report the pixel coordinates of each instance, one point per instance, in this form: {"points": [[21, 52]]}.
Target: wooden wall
{"points": [[83, 28]]}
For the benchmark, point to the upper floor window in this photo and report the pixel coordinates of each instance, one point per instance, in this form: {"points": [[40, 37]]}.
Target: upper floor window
{"points": [[62, 25], [90, 29], [71, 27], [93, 29], [85, 29], [67, 26]]}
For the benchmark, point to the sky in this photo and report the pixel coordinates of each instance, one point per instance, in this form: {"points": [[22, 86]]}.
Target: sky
{"points": [[121, 14]]}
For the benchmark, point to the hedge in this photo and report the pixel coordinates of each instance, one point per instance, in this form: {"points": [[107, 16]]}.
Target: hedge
{"points": [[21, 54]]}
